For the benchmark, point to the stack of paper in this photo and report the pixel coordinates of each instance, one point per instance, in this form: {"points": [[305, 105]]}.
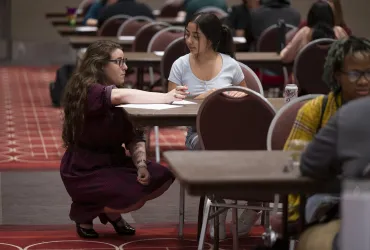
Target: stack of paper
{"points": [[176, 104]]}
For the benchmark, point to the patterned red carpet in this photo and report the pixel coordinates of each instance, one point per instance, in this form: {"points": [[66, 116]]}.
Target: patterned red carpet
{"points": [[162, 237], [30, 128]]}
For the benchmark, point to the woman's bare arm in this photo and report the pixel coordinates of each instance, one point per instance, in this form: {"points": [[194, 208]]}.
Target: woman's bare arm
{"points": [[122, 96]]}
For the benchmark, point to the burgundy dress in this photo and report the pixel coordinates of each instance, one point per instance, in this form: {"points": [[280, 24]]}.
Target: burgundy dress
{"points": [[96, 172]]}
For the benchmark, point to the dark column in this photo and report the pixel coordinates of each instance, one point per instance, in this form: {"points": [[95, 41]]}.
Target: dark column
{"points": [[5, 29]]}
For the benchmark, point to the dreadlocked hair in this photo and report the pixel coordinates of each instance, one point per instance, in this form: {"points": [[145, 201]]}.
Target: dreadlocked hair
{"points": [[336, 55]]}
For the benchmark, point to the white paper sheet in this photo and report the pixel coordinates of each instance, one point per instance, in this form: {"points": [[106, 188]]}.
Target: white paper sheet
{"points": [[156, 12], [183, 102], [239, 39], [127, 38], [149, 106], [159, 53], [86, 28]]}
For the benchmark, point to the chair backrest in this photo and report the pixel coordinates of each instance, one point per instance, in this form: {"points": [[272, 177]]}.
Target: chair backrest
{"points": [[251, 79], [112, 24], [164, 37], [174, 50], [220, 13], [283, 121], [309, 67], [269, 42], [133, 25], [145, 34], [227, 123], [171, 9]]}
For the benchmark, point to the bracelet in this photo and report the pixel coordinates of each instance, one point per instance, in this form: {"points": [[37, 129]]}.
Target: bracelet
{"points": [[141, 164], [140, 161]]}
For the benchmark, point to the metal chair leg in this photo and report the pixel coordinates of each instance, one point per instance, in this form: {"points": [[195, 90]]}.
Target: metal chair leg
{"points": [[292, 244], [216, 227], [200, 215], [157, 149], [181, 211], [235, 229], [207, 207]]}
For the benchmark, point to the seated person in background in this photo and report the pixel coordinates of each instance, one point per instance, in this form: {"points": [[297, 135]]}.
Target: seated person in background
{"points": [[192, 6], [240, 20], [320, 24], [347, 73], [91, 17], [340, 148], [101, 180], [270, 12], [210, 65], [338, 19], [125, 7]]}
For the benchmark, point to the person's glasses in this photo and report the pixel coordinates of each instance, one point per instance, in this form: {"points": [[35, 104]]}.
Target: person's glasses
{"points": [[355, 75], [120, 62]]}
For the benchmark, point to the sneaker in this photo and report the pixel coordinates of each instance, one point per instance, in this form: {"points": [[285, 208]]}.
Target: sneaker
{"points": [[247, 220], [221, 226]]}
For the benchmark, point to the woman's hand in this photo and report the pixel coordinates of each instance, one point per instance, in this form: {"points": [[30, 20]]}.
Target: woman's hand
{"points": [[234, 94], [143, 176], [177, 94], [204, 95]]}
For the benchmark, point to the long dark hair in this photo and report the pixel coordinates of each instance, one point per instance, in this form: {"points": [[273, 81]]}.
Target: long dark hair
{"points": [[320, 12], [74, 100], [220, 35], [320, 19]]}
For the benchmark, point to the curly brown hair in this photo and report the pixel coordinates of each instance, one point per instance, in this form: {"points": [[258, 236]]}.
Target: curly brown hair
{"points": [[89, 72]]}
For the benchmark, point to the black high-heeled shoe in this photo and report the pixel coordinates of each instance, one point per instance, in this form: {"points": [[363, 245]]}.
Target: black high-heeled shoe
{"points": [[124, 229], [86, 233]]}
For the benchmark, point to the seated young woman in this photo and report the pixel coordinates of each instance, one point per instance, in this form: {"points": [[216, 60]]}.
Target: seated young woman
{"points": [[98, 175], [320, 24], [347, 73], [210, 65], [338, 20]]}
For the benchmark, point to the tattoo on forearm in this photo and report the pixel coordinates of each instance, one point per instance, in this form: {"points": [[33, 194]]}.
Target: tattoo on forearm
{"points": [[138, 154]]}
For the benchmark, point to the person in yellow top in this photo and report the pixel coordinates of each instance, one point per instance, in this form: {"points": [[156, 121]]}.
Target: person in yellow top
{"points": [[347, 72]]}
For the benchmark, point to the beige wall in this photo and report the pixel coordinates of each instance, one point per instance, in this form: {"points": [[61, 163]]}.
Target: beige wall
{"points": [[30, 29]]}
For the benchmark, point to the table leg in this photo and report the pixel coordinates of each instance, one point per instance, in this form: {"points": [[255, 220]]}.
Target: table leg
{"points": [[140, 78], [235, 228], [302, 213], [157, 148], [182, 211], [216, 231]]}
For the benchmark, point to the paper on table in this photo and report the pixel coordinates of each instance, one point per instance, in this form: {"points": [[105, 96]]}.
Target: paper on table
{"points": [[86, 28], [183, 102], [127, 38], [149, 106], [159, 53], [239, 39]]}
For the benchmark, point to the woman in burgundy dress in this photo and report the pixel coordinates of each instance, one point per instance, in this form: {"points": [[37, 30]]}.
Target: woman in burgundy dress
{"points": [[100, 178]]}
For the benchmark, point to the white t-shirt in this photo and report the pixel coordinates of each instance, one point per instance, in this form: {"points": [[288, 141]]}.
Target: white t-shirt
{"points": [[181, 74]]}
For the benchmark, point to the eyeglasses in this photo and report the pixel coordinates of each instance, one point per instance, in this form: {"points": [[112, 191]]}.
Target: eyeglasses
{"points": [[120, 62], [355, 75]]}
